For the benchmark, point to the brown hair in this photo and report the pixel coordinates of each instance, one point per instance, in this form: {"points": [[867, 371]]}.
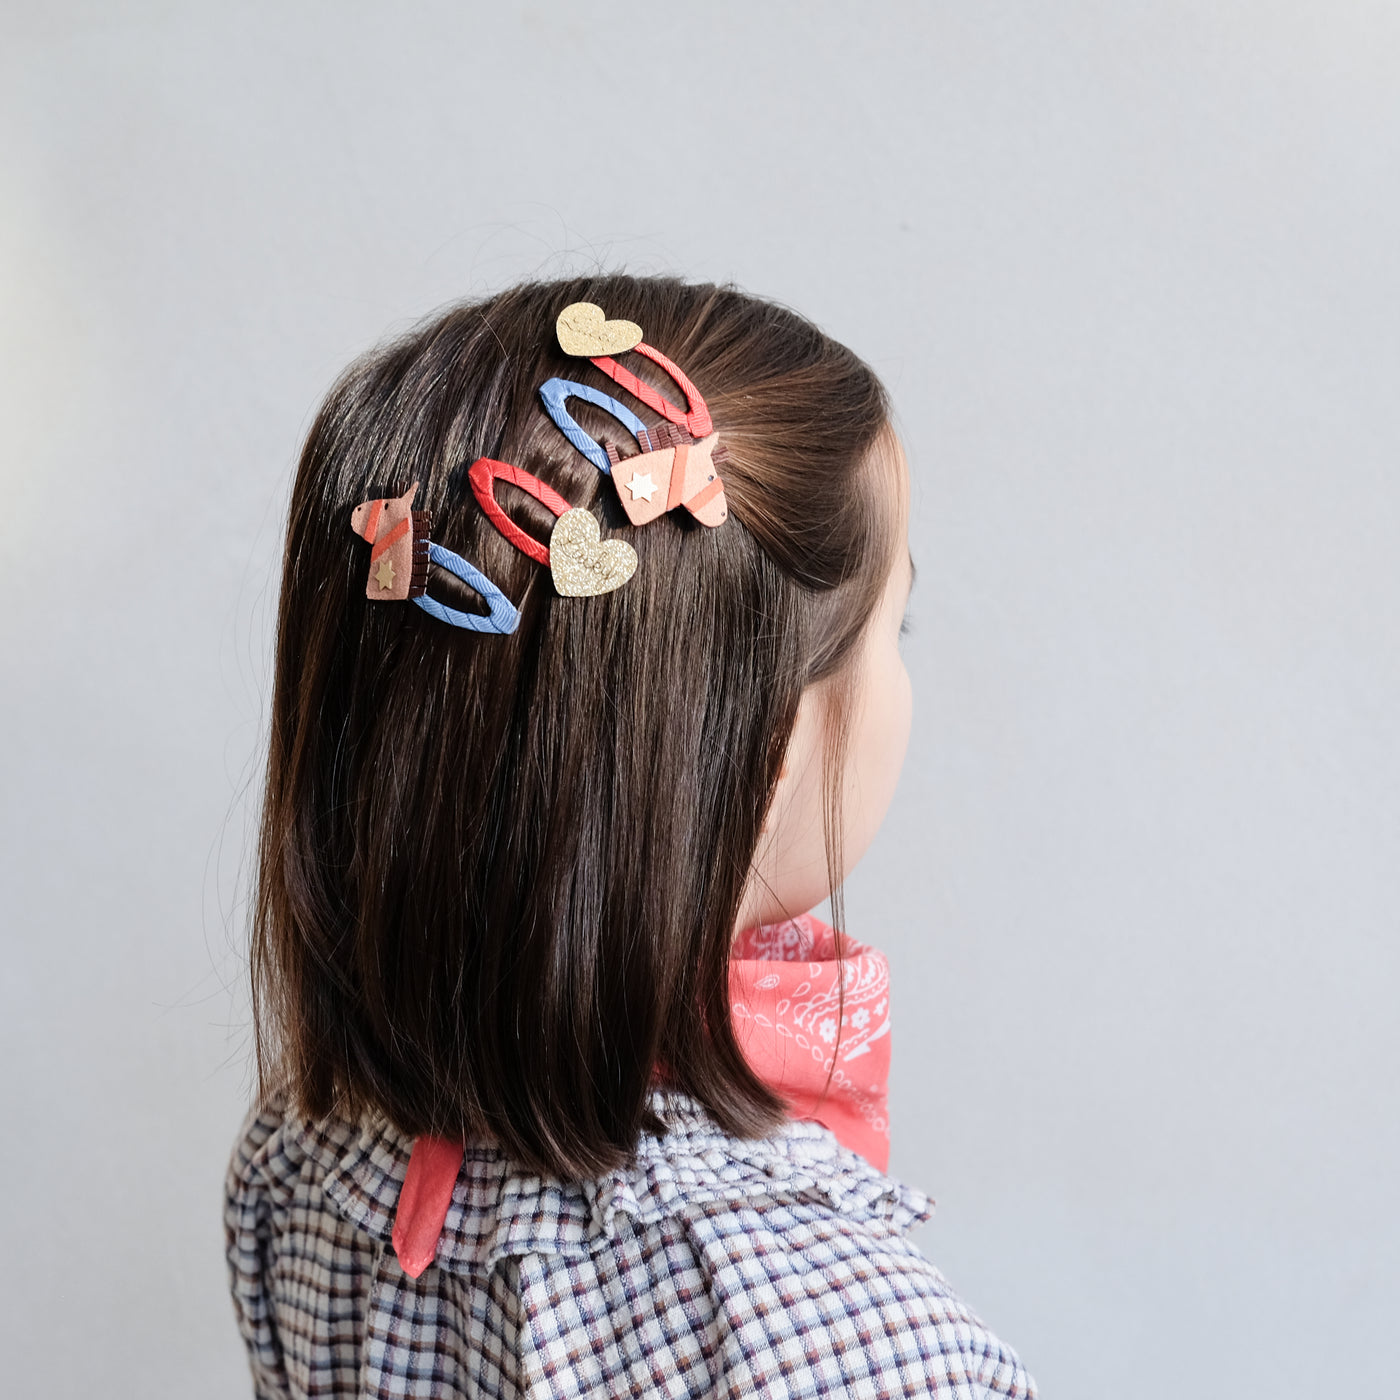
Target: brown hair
{"points": [[499, 875]]}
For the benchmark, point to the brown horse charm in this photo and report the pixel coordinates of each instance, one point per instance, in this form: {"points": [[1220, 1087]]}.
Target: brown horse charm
{"points": [[398, 537]]}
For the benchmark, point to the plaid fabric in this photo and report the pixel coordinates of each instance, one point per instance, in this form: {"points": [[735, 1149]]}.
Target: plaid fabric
{"points": [[713, 1266]]}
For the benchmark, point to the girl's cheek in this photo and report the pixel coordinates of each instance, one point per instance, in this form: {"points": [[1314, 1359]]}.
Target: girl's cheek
{"points": [[890, 719], [902, 719]]}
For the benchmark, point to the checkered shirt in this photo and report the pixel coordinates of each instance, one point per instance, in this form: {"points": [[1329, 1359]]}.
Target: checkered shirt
{"points": [[712, 1266]]}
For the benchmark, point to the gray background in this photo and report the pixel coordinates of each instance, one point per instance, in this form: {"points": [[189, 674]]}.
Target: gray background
{"points": [[1130, 271]]}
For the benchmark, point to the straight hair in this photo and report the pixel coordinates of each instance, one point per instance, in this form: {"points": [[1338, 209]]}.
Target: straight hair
{"points": [[499, 876]]}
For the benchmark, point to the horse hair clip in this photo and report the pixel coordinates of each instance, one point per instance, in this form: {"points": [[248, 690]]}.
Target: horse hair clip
{"points": [[400, 552], [670, 469]]}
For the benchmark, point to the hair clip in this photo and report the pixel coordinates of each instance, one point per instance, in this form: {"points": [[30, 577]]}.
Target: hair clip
{"points": [[669, 471], [557, 392], [398, 537], [585, 332], [400, 552], [679, 473], [583, 564]]}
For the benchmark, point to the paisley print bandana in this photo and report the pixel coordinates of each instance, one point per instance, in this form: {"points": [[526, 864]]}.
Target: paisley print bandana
{"points": [[817, 1029]]}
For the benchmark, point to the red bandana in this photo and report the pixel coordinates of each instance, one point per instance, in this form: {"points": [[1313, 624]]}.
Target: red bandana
{"points": [[814, 1028], [817, 1029]]}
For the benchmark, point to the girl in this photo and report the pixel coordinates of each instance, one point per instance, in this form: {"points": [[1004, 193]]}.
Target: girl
{"points": [[562, 1091]]}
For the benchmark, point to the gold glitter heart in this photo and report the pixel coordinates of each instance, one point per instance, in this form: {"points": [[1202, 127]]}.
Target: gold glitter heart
{"points": [[583, 330], [581, 562]]}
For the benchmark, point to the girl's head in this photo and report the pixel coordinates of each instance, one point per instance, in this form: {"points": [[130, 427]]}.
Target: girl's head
{"points": [[500, 875]]}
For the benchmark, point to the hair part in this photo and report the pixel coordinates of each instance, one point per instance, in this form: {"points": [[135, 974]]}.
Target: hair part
{"points": [[499, 875]]}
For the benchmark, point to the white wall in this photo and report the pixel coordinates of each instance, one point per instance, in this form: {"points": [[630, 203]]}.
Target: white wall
{"points": [[1131, 273]]}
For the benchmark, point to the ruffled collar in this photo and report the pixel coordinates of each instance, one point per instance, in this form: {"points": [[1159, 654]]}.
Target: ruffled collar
{"points": [[496, 1210]]}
